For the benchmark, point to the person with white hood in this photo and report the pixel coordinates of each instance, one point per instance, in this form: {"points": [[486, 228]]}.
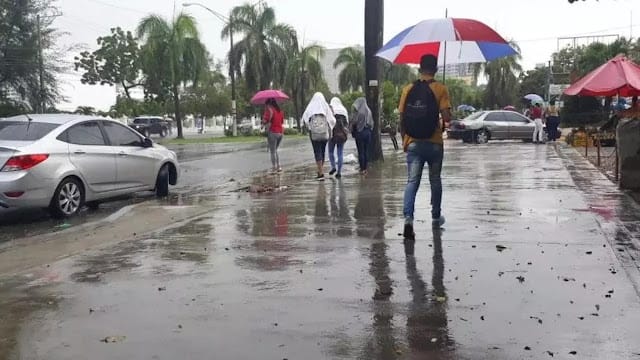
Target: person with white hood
{"points": [[320, 121], [339, 136]]}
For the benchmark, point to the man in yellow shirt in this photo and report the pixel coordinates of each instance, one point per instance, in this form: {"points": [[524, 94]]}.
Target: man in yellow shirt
{"points": [[428, 150]]}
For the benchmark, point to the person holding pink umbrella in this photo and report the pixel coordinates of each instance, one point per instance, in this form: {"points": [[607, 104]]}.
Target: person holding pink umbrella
{"points": [[273, 119]]}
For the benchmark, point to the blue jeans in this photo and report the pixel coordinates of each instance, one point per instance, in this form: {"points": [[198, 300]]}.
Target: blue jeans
{"points": [[417, 154], [332, 157], [363, 138]]}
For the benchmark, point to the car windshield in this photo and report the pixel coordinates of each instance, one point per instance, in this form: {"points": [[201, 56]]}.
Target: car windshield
{"points": [[141, 121], [24, 131], [474, 116]]}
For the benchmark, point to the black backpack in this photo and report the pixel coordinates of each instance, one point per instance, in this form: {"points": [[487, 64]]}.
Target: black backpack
{"points": [[340, 133], [421, 116]]}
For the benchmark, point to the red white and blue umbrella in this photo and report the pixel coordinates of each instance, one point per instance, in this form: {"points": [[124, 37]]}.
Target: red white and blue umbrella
{"points": [[467, 41]]}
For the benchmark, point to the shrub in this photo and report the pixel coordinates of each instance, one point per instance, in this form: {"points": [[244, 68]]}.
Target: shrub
{"points": [[289, 131]]}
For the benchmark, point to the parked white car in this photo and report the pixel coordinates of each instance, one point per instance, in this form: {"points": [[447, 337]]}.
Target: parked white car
{"points": [[62, 162]]}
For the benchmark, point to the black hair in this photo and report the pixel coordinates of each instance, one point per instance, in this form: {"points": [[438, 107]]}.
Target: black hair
{"points": [[552, 102], [272, 102], [429, 64]]}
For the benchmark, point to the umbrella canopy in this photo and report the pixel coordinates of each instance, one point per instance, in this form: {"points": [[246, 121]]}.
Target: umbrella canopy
{"points": [[510, 108], [534, 98], [466, 108], [467, 41], [261, 97], [618, 76]]}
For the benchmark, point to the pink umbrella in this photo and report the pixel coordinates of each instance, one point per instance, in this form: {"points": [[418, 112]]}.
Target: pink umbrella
{"points": [[261, 97], [509, 108]]}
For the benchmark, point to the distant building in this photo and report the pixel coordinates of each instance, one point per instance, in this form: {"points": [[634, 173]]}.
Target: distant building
{"points": [[458, 71]]}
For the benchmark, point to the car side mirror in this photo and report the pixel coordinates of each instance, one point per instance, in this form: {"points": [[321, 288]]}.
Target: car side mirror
{"points": [[147, 143]]}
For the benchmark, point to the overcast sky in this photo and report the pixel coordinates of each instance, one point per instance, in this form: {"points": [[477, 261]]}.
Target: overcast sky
{"points": [[534, 24]]}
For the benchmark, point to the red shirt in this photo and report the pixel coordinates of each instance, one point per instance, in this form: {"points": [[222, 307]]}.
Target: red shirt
{"points": [[536, 113], [275, 117]]}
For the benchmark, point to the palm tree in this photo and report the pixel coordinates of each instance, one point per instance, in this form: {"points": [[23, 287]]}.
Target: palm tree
{"points": [[303, 74], [261, 54], [502, 75], [85, 110], [352, 76], [398, 75], [173, 55]]}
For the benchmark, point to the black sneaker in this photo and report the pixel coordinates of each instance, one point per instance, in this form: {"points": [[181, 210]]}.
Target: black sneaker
{"points": [[408, 232], [333, 171], [320, 177], [338, 176]]}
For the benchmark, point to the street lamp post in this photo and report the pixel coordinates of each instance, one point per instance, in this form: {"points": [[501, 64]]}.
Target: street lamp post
{"points": [[232, 75]]}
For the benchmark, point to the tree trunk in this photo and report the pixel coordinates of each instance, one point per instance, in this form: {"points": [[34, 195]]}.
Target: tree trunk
{"points": [[373, 25], [176, 108]]}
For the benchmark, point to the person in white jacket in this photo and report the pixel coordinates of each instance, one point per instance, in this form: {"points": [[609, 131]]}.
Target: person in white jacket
{"points": [[319, 119]]}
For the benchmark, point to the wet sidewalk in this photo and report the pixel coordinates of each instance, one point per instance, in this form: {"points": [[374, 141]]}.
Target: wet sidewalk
{"points": [[539, 259]]}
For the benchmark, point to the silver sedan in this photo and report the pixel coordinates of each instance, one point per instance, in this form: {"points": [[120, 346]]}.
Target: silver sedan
{"points": [[62, 162], [482, 126]]}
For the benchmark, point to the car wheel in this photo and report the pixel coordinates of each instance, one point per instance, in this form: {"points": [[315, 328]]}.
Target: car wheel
{"points": [[482, 137], [67, 199], [162, 183]]}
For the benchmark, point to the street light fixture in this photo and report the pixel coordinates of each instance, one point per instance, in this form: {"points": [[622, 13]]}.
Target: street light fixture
{"points": [[227, 21]]}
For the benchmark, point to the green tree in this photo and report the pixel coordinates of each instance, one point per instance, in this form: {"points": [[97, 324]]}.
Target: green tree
{"points": [[399, 75], [502, 75], [85, 110], [261, 56], [24, 75], [533, 82], [303, 76], [352, 75], [116, 62], [174, 56], [211, 98]]}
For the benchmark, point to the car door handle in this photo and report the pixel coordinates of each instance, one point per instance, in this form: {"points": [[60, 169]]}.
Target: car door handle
{"points": [[79, 152], [122, 153]]}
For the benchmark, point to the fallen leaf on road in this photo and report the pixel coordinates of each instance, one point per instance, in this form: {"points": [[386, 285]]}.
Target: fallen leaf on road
{"points": [[520, 279], [527, 348], [589, 252], [500, 248], [550, 353], [113, 339], [573, 353], [163, 288]]}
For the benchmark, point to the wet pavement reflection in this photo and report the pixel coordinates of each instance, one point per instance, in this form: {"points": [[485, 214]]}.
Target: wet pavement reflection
{"points": [[528, 266]]}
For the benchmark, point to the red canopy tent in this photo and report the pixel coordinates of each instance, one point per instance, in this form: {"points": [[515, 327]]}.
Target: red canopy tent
{"points": [[618, 76]]}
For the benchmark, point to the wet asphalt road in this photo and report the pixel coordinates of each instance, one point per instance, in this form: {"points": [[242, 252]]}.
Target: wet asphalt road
{"points": [[320, 272], [203, 168]]}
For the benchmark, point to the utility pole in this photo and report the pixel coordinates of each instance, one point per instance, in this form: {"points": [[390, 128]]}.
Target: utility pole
{"points": [[232, 75], [41, 102], [547, 88], [373, 32]]}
